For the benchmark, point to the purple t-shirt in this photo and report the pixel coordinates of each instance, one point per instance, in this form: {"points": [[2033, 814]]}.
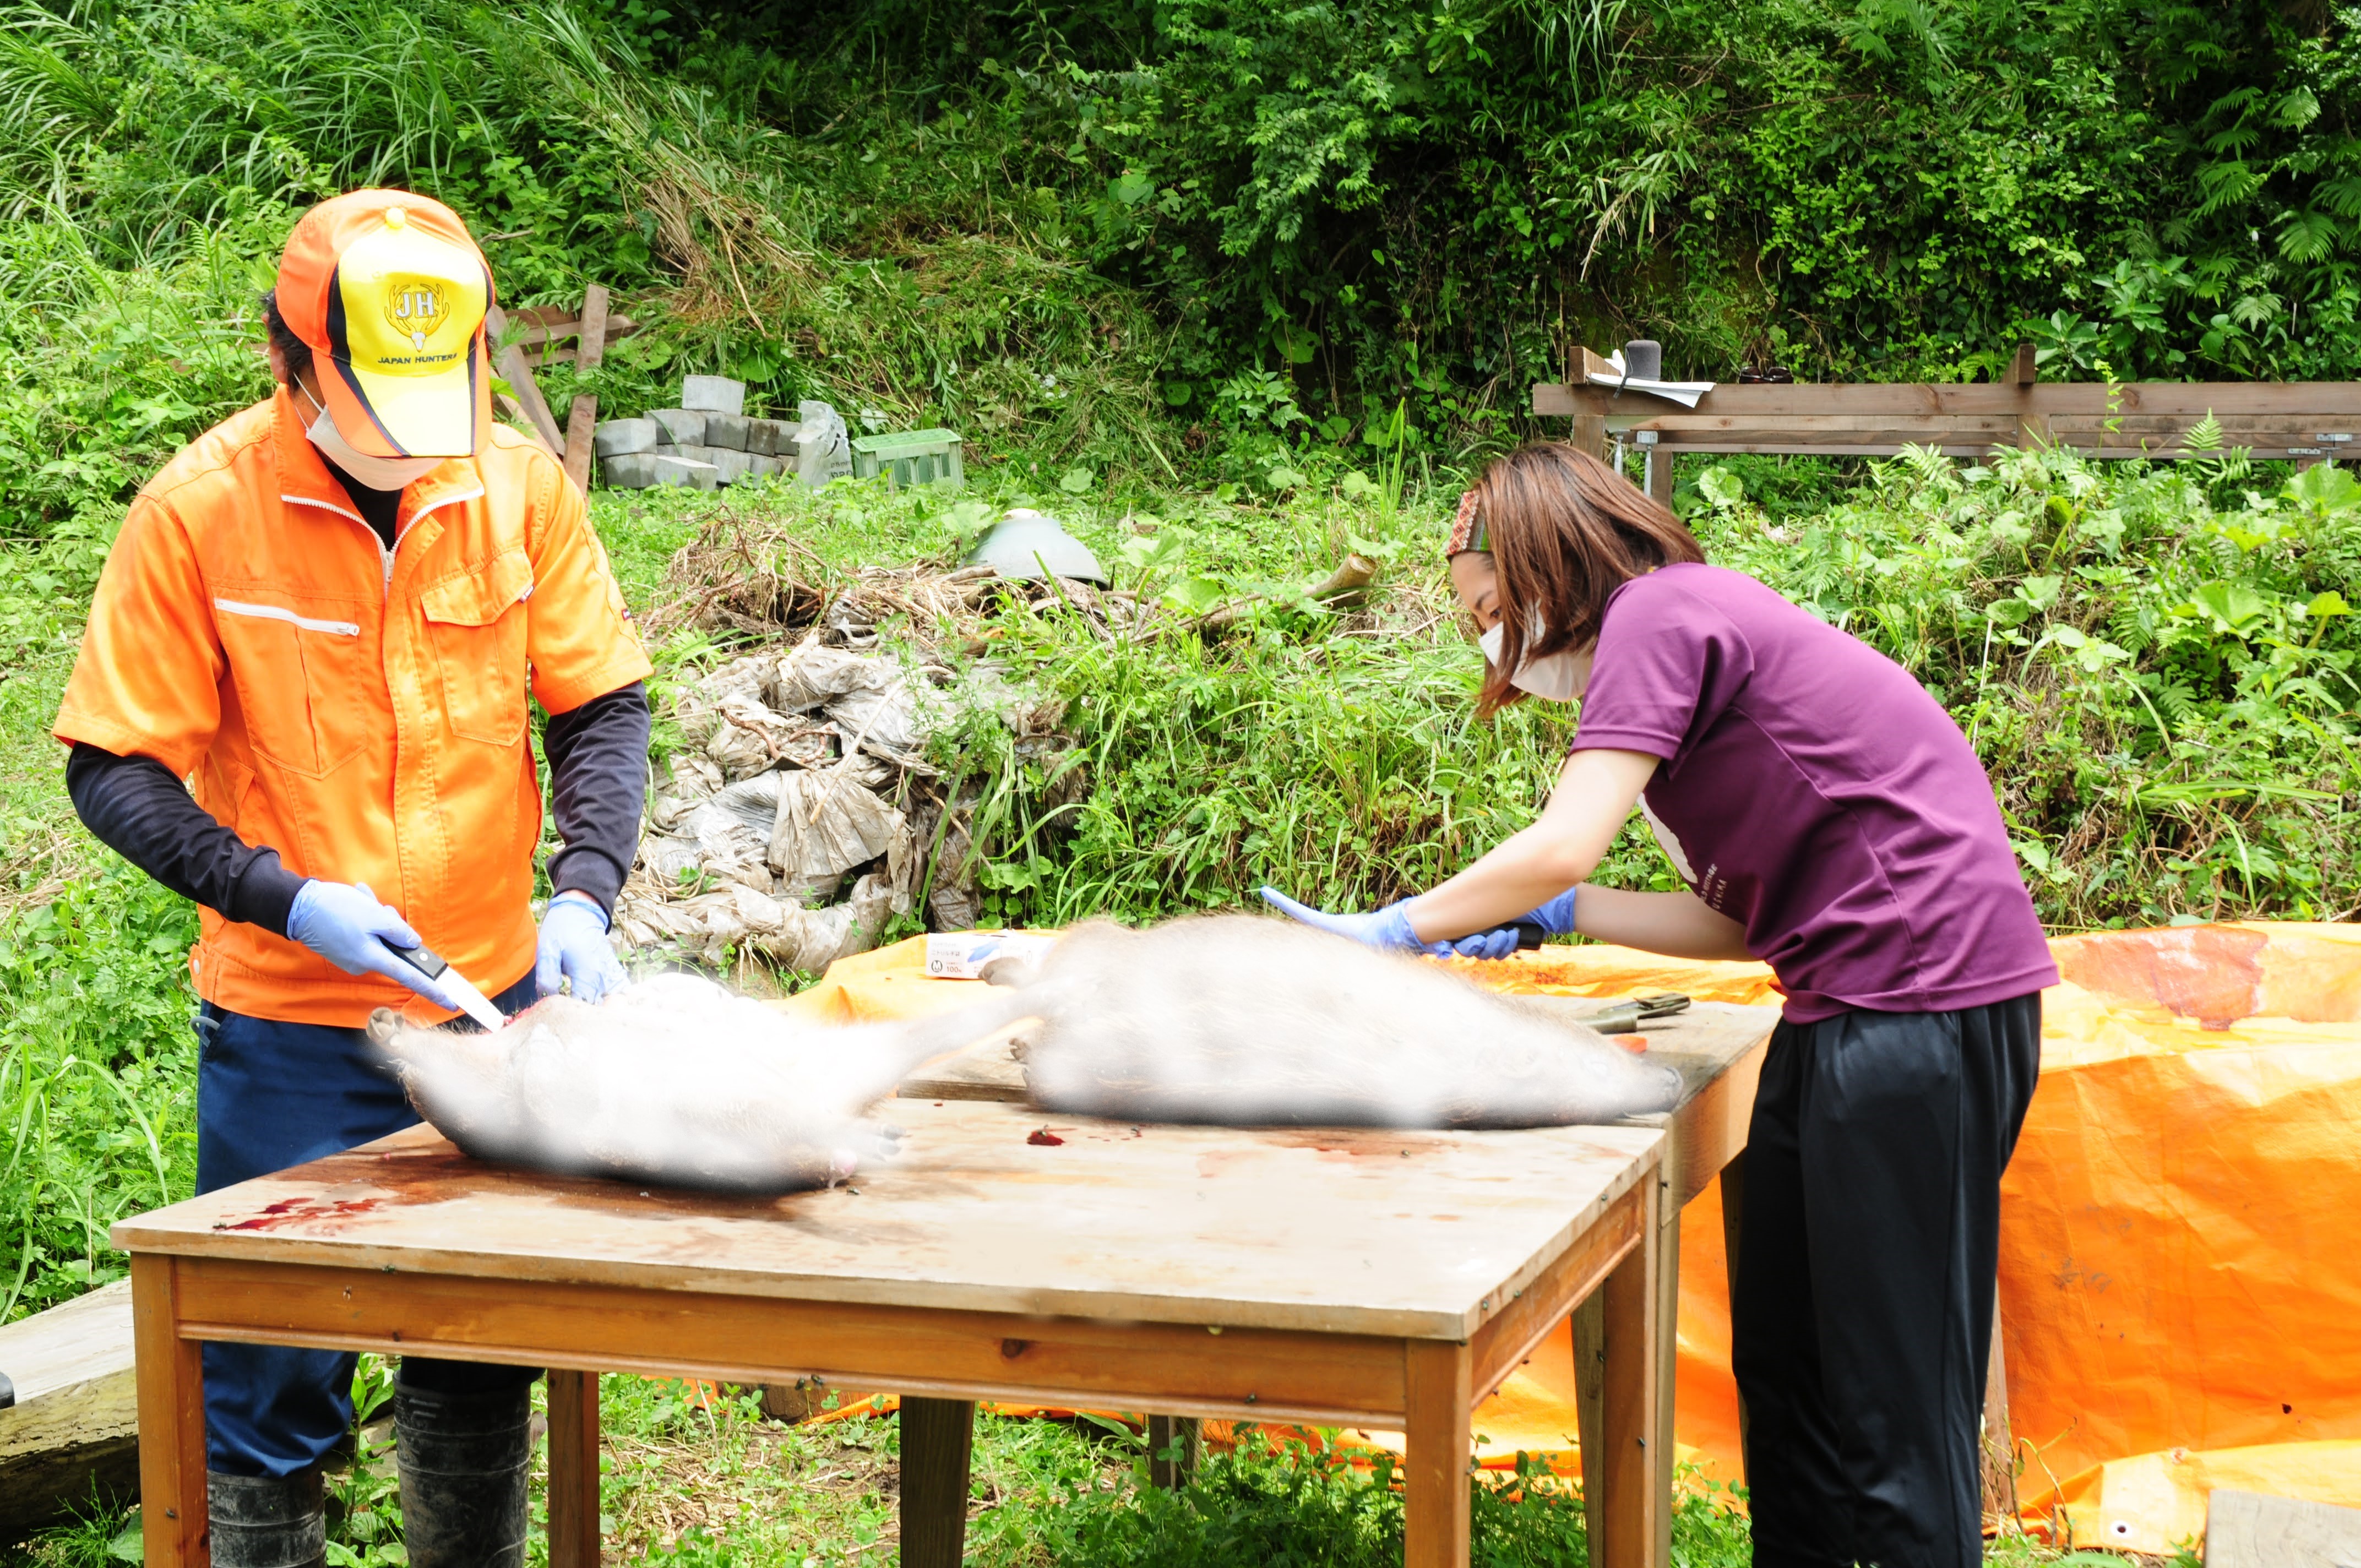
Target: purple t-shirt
{"points": [[1813, 792]]}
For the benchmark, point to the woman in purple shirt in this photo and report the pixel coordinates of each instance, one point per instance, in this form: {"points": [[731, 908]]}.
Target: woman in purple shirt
{"points": [[1830, 820]]}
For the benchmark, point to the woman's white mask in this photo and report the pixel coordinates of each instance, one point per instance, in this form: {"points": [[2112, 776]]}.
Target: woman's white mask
{"points": [[1560, 678], [374, 473]]}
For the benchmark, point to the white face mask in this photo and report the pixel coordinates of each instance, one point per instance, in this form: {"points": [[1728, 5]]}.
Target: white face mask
{"points": [[1560, 678], [371, 473]]}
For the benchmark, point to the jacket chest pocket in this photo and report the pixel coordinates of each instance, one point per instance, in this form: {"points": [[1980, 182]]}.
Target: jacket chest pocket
{"points": [[305, 679], [476, 624]]}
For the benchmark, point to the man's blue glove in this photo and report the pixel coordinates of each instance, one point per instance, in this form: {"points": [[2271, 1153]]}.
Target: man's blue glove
{"points": [[1387, 930], [344, 923], [1556, 917], [574, 948]]}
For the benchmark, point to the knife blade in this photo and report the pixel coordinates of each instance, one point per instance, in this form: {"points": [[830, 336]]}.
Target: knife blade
{"points": [[435, 967]]}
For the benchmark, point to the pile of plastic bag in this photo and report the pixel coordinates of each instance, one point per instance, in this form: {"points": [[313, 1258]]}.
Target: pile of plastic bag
{"points": [[802, 817]]}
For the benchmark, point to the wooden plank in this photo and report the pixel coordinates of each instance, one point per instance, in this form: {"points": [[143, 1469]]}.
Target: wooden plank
{"points": [[75, 1422], [2249, 1529], [1503, 1344], [938, 1440], [1589, 1332], [1633, 1521], [1337, 1378], [1438, 1452], [1277, 1228], [581, 419], [2024, 366], [2305, 398], [173, 1519], [989, 1069], [511, 363], [573, 1468], [592, 328]]}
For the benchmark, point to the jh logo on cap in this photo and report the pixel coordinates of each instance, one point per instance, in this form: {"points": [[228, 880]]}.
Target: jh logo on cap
{"points": [[417, 307]]}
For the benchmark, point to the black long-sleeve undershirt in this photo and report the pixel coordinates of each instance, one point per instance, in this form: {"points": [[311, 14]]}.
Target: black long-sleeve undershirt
{"points": [[598, 766]]}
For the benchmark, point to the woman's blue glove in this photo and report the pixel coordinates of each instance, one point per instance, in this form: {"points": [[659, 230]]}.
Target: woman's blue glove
{"points": [[574, 948], [1387, 930], [344, 923], [1556, 917]]}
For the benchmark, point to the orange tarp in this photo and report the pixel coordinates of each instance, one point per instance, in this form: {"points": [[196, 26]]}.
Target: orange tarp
{"points": [[2181, 1287]]}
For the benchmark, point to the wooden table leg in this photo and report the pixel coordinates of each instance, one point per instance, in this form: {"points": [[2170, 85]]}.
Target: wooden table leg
{"points": [[172, 1382], [1667, 1292], [573, 1468], [1439, 1436], [1629, 1500], [1176, 1435], [938, 1441], [1590, 1425]]}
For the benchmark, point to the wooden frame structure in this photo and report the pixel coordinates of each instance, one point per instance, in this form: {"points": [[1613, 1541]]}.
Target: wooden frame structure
{"points": [[2303, 421]]}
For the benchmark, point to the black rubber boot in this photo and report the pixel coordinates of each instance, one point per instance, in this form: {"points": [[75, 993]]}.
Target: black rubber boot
{"points": [[266, 1521], [464, 1460]]}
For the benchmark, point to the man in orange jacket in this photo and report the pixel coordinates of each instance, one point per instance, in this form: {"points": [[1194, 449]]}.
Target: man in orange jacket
{"points": [[328, 612]]}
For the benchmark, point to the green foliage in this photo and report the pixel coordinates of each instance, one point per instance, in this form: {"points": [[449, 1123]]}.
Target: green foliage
{"points": [[2164, 687], [97, 1079]]}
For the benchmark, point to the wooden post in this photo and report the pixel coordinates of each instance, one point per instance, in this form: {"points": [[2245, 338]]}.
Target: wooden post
{"points": [[2032, 429], [573, 1469], [1164, 1435], [173, 1510], [510, 362], [1590, 434], [584, 415], [1589, 1412], [2000, 1443], [1630, 1435], [938, 1441], [1439, 1439], [1733, 1215]]}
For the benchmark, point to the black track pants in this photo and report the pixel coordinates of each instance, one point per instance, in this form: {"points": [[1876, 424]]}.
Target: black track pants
{"points": [[1860, 1310]]}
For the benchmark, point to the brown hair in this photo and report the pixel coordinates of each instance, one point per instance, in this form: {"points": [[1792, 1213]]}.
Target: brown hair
{"points": [[1564, 531]]}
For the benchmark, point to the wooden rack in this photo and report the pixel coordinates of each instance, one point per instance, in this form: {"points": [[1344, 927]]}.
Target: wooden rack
{"points": [[2303, 421]]}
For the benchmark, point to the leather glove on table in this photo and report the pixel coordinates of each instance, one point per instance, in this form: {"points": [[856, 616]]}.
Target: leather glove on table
{"points": [[344, 923], [574, 949]]}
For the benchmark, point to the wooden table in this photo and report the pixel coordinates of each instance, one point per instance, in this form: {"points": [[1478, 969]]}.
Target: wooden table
{"points": [[1347, 1279], [1717, 1050]]}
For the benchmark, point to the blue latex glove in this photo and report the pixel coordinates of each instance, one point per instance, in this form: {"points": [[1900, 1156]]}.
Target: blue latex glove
{"points": [[574, 948], [1387, 930], [344, 923], [1556, 917]]}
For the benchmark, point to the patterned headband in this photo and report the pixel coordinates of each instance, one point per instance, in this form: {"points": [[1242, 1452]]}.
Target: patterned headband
{"points": [[1466, 530]]}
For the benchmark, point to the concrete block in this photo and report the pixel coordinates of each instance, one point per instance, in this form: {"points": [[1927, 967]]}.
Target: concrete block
{"points": [[679, 427], [765, 466], [629, 470], [616, 437], [771, 437], [729, 467], [727, 430], [713, 394], [685, 471]]}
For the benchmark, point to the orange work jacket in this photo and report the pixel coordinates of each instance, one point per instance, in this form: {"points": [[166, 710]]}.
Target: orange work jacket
{"points": [[359, 709]]}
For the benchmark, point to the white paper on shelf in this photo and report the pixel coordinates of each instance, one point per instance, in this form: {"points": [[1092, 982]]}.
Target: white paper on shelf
{"points": [[1684, 393]]}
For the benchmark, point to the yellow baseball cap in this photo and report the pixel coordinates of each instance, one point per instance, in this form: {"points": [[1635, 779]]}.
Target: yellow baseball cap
{"points": [[390, 292]]}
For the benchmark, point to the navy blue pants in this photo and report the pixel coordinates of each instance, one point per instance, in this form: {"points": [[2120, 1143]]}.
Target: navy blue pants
{"points": [[271, 1095], [1861, 1312]]}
